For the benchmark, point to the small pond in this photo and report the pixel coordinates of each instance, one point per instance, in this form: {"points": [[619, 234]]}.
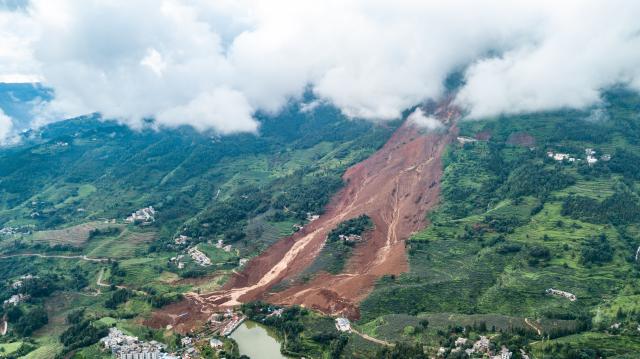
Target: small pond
{"points": [[257, 341]]}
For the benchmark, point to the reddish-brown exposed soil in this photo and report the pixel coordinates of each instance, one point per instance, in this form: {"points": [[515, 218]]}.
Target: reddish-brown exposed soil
{"points": [[396, 187], [483, 136], [521, 139]]}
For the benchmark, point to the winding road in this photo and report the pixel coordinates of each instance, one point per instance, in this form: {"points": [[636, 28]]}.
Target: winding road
{"points": [[372, 339], [80, 257]]}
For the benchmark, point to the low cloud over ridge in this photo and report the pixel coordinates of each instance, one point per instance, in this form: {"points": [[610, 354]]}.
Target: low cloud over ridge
{"points": [[213, 64]]}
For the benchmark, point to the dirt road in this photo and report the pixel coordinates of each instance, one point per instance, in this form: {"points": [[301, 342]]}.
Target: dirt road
{"points": [[81, 257], [535, 327], [372, 339]]}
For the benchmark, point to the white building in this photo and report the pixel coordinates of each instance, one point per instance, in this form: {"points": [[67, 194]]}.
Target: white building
{"points": [[199, 257], [591, 156], [181, 239], [216, 343], [460, 341], [144, 216], [482, 345], [561, 156], [561, 293], [16, 299], [343, 324]]}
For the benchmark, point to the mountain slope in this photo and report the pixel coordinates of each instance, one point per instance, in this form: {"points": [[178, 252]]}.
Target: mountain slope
{"points": [[394, 187]]}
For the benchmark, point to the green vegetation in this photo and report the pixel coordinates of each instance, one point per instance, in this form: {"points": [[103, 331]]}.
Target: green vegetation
{"points": [[513, 223], [82, 332], [337, 251], [305, 333], [67, 188], [354, 226]]}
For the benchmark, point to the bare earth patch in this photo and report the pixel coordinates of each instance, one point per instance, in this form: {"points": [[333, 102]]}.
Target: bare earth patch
{"points": [[396, 187]]}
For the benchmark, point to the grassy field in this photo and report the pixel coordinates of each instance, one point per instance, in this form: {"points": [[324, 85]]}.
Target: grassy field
{"points": [[129, 243], [8, 348], [76, 235], [613, 346]]}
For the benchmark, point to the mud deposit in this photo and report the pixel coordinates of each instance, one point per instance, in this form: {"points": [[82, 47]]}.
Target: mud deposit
{"points": [[396, 187]]}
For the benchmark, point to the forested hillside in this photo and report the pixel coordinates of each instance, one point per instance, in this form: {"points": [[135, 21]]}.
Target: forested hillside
{"points": [[66, 189], [515, 221]]}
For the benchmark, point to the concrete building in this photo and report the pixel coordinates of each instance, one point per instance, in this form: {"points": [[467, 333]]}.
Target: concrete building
{"points": [[343, 324]]}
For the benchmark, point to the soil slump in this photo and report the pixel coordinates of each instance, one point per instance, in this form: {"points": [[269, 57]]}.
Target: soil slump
{"points": [[396, 186]]}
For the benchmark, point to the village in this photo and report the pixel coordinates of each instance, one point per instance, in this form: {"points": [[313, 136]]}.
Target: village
{"points": [[591, 156], [219, 325], [143, 216], [197, 255], [124, 346], [481, 348]]}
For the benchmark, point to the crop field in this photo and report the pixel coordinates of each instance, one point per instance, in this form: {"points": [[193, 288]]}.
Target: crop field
{"points": [[8, 348], [75, 235], [127, 244], [621, 347], [48, 347], [261, 233]]}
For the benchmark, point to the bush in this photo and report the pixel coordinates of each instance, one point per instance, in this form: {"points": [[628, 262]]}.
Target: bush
{"points": [[596, 251]]}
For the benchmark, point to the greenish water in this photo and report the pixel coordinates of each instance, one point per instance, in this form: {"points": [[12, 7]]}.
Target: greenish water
{"points": [[256, 341]]}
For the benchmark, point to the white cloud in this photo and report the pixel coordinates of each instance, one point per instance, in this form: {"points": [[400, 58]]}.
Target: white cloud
{"points": [[429, 123], [154, 61], [173, 59], [578, 56], [6, 127], [225, 110]]}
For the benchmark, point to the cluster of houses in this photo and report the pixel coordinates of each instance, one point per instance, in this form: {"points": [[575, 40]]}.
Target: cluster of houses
{"points": [[8, 231], [589, 152], [463, 139], [350, 237], [143, 216], [225, 324], [480, 348], [19, 282], [178, 261], [343, 324], [181, 239], [199, 257], [128, 347], [189, 350], [16, 299], [561, 293], [220, 245]]}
